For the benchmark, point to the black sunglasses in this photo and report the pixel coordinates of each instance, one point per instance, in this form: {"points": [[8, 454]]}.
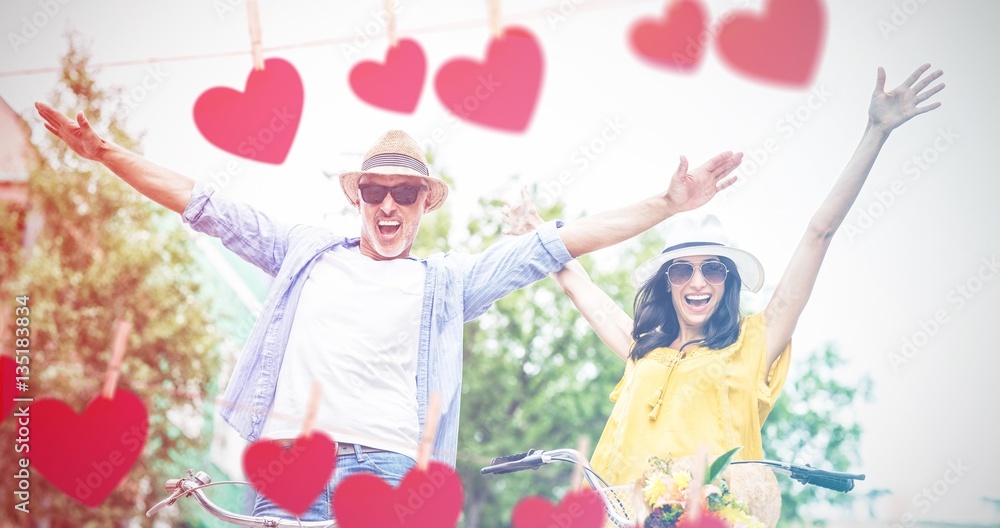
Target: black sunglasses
{"points": [[373, 193], [714, 271]]}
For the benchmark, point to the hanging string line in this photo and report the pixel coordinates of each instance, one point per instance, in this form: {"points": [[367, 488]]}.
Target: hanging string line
{"points": [[590, 6]]}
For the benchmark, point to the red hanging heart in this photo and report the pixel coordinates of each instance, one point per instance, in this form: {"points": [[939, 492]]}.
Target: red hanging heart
{"points": [[782, 45], [8, 369], [501, 92], [294, 477], [395, 85], [87, 455], [578, 509], [676, 41], [259, 123], [424, 499]]}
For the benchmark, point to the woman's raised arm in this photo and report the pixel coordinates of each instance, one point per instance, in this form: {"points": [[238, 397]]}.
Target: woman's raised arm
{"points": [[887, 111], [612, 325]]}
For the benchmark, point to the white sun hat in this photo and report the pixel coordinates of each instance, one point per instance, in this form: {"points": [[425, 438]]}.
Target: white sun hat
{"points": [[690, 235]]}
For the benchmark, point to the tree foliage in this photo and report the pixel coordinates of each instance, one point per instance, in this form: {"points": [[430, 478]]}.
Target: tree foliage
{"points": [[814, 422], [106, 253]]}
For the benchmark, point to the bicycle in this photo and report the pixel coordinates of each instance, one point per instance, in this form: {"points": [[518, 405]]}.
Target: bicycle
{"points": [[192, 485], [617, 499]]}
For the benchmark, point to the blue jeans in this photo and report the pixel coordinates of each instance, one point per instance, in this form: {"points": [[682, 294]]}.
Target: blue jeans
{"points": [[386, 465]]}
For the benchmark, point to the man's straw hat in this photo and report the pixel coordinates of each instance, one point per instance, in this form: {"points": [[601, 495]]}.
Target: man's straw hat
{"points": [[395, 153]]}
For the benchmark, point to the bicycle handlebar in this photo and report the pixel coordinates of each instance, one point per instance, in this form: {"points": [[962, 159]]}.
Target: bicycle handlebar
{"points": [[536, 458], [533, 459], [835, 484], [833, 480], [191, 487], [509, 464]]}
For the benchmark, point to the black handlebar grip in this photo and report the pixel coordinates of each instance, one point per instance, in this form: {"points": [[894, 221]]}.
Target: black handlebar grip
{"points": [[836, 484], [510, 458], [511, 463]]}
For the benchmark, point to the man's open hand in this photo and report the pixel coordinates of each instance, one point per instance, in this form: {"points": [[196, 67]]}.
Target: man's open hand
{"points": [[78, 135], [691, 190]]}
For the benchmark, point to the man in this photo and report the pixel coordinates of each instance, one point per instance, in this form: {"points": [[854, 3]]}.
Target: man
{"points": [[378, 327]]}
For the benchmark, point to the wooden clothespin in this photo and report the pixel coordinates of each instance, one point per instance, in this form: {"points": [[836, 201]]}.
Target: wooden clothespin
{"points": [[253, 20], [122, 329], [496, 21], [390, 21], [433, 416], [314, 395]]}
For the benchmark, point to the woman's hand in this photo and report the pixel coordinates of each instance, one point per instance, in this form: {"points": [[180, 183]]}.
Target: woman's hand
{"points": [[78, 135], [520, 218], [888, 110]]}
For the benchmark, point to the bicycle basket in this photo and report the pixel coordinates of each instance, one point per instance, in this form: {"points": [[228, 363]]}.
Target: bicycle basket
{"points": [[618, 501]]}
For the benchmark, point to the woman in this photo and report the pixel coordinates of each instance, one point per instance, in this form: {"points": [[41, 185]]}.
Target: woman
{"points": [[696, 372]]}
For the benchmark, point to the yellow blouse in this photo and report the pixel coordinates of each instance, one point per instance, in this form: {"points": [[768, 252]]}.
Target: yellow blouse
{"points": [[670, 403]]}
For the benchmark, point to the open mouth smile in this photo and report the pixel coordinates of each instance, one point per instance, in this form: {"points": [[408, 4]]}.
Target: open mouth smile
{"points": [[697, 303], [388, 228]]}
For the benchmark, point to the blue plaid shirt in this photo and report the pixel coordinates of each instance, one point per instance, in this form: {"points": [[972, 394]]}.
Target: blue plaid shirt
{"points": [[456, 284]]}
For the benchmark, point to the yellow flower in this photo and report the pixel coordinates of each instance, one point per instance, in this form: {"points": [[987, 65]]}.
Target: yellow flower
{"points": [[682, 479], [738, 518], [732, 514], [656, 487]]}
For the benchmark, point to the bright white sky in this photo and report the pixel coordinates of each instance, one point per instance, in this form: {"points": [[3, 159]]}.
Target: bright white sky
{"points": [[876, 287]]}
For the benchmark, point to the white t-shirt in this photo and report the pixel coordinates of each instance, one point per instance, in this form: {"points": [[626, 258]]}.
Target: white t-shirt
{"points": [[355, 331]]}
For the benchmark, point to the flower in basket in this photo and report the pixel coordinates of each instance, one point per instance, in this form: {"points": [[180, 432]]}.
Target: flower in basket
{"points": [[666, 490]]}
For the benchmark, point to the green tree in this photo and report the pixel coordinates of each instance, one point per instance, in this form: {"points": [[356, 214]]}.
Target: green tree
{"points": [[106, 253], [814, 422]]}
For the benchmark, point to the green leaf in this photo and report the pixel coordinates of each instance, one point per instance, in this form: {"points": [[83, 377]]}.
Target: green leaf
{"points": [[720, 465]]}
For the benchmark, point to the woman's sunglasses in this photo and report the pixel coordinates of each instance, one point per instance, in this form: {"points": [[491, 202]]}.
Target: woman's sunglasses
{"points": [[373, 193], [714, 271]]}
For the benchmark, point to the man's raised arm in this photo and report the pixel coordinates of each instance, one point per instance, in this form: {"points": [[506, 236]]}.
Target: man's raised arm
{"points": [[164, 186], [509, 265], [687, 191]]}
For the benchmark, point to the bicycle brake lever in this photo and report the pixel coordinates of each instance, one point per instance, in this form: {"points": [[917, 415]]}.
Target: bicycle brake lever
{"points": [[169, 501], [176, 486]]}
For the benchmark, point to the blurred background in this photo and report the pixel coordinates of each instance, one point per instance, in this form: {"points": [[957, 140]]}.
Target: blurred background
{"points": [[893, 371]]}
